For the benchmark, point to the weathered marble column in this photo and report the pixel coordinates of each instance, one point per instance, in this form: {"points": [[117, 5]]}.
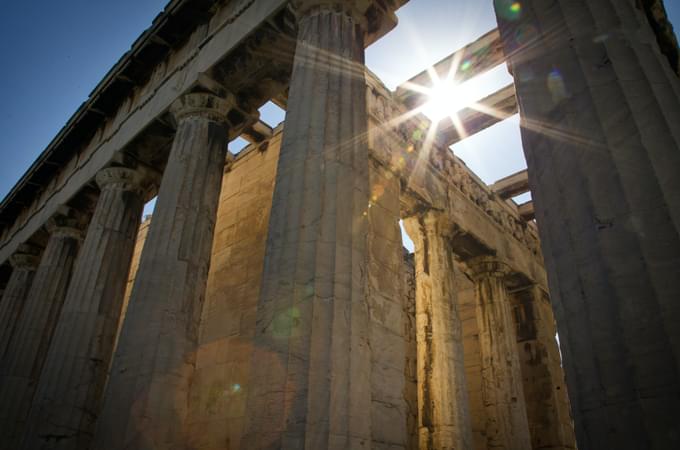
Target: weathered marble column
{"points": [[146, 399], [600, 107], [443, 407], [24, 264], [507, 426], [69, 393], [545, 392], [25, 355], [310, 376]]}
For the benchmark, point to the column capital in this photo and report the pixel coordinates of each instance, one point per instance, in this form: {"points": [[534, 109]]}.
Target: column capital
{"points": [[67, 222], [123, 178], [207, 106], [356, 9], [24, 261], [369, 14], [487, 266], [435, 221]]}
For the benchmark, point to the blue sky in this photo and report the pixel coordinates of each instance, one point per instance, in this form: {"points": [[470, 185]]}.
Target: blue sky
{"points": [[55, 52]]}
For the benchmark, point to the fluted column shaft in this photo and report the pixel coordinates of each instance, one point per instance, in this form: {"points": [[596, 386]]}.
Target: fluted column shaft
{"points": [[506, 421], [25, 355], [444, 420], [310, 372], [69, 393], [24, 266], [600, 107], [146, 399]]}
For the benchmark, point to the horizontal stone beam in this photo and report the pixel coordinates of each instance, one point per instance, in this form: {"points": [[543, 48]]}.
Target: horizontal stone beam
{"points": [[526, 211], [258, 132], [513, 185], [486, 113], [485, 224], [468, 62]]}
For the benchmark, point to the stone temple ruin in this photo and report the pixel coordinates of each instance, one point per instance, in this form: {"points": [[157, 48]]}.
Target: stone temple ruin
{"points": [[269, 304]]}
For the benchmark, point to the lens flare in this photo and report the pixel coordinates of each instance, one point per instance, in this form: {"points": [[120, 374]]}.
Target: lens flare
{"points": [[557, 86], [509, 9]]}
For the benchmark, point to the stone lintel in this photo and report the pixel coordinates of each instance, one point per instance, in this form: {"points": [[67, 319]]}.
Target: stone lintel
{"points": [[527, 211], [512, 185]]}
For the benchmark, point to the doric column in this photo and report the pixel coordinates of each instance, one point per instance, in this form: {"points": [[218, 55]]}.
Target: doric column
{"points": [[443, 407], [310, 372], [600, 107], [24, 264], [146, 399], [25, 355], [68, 395], [504, 406], [545, 392]]}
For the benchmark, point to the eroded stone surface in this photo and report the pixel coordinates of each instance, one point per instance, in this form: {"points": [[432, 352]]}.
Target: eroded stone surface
{"points": [[600, 106], [311, 366], [12, 304], [69, 392], [443, 406], [146, 399], [25, 355], [506, 425]]}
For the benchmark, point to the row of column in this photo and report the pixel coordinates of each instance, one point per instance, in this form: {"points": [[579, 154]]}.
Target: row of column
{"points": [[60, 312], [444, 417], [316, 243]]}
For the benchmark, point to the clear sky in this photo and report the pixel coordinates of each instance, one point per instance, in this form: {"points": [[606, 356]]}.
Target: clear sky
{"points": [[55, 52]]}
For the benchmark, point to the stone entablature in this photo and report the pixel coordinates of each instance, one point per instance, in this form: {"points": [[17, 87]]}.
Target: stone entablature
{"points": [[436, 178], [203, 51], [139, 124]]}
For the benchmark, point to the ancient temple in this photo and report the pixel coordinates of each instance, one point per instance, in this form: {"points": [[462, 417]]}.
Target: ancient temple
{"points": [[268, 302]]}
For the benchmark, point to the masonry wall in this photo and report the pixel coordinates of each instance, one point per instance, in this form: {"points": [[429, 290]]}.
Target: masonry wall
{"points": [[220, 386]]}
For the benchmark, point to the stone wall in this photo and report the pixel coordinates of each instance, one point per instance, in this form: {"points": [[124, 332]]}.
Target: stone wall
{"points": [[388, 311], [220, 386], [219, 389]]}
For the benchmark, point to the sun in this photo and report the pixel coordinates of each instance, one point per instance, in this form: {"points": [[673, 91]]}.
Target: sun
{"points": [[446, 98]]}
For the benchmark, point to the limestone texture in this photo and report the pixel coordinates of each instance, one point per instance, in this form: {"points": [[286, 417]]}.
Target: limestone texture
{"points": [[600, 106], [443, 404], [545, 390], [13, 300], [146, 398], [310, 375], [69, 392], [506, 424], [24, 358]]}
